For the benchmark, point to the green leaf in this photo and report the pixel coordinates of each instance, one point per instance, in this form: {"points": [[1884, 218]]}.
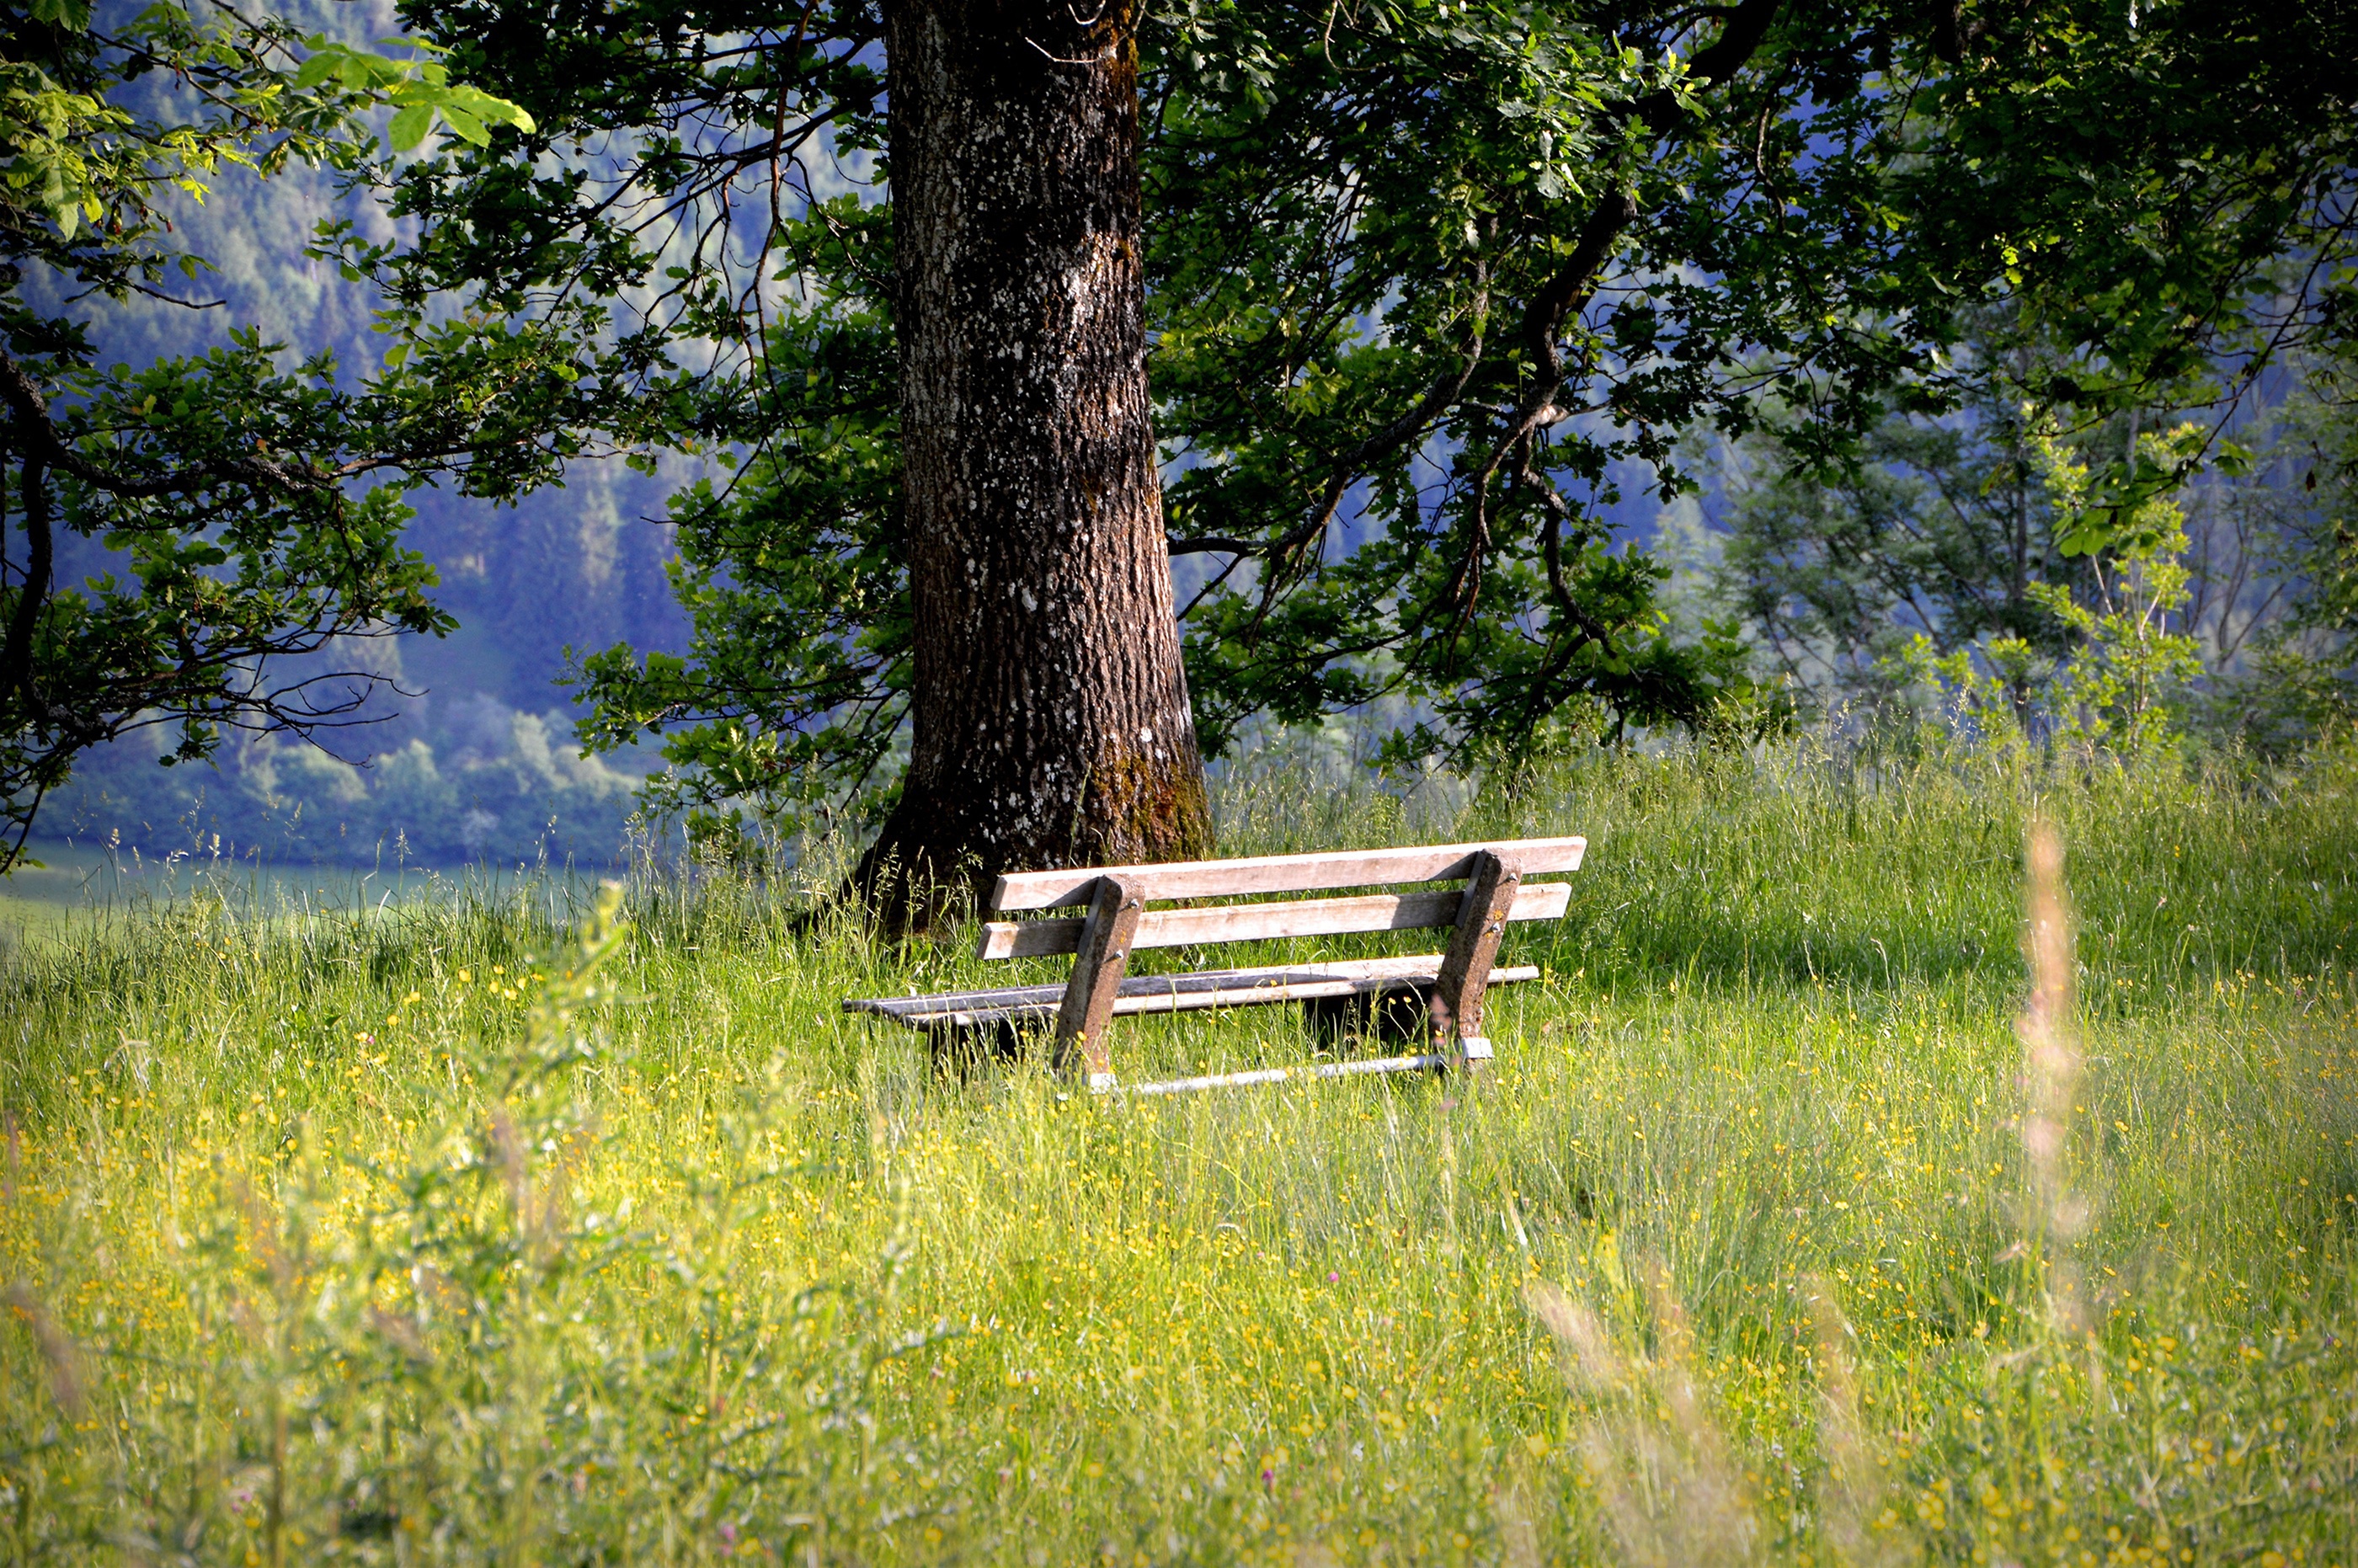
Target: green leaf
{"points": [[70, 15], [410, 127], [469, 128]]}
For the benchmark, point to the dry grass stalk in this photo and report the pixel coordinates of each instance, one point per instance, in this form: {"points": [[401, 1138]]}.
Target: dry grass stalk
{"points": [[1519, 1534], [2052, 1063], [1674, 1495], [58, 1351], [1852, 1495]]}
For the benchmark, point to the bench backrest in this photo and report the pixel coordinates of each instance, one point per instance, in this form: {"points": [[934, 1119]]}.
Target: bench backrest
{"points": [[1180, 881]]}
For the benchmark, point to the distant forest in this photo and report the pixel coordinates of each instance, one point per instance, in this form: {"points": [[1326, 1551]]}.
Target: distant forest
{"points": [[482, 762]]}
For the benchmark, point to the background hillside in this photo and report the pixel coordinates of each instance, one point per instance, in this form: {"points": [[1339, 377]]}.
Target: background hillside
{"points": [[479, 763]]}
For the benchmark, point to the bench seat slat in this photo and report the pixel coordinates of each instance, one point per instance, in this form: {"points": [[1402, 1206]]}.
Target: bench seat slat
{"points": [[1281, 873], [1260, 922], [1173, 993]]}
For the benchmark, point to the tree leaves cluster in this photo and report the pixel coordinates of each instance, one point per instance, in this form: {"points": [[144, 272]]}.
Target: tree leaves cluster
{"points": [[252, 498], [1434, 289], [1431, 287]]}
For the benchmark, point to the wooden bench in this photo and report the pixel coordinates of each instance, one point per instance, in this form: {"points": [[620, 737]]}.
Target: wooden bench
{"points": [[1119, 922]]}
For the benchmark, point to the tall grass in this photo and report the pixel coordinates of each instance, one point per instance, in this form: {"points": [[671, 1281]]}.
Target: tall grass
{"points": [[435, 1233]]}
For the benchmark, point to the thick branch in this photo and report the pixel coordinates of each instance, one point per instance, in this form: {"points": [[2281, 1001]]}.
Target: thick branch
{"points": [[1219, 543], [1569, 290], [1952, 35], [1558, 512], [17, 654], [1446, 389], [1727, 55], [25, 399]]}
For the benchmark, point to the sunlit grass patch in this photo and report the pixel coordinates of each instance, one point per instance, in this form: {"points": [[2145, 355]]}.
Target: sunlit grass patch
{"points": [[379, 1237]]}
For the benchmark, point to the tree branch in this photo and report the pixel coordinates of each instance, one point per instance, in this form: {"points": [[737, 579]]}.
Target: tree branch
{"points": [[1569, 291], [25, 399], [16, 653], [1445, 390]]}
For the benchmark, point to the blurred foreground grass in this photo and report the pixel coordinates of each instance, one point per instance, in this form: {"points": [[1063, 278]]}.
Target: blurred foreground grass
{"points": [[431, 1234]]}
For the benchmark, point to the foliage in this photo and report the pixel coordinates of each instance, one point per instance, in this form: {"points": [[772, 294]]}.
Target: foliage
{"points": [[794, 577], [253, 504], [1429, 284], [2303, 676], [420, 92], [2119, 686], [418, 1344], [2328, 428], [2127, 665], [1932, 529], [1765, 1123], [521, 798], [1984, 534]]}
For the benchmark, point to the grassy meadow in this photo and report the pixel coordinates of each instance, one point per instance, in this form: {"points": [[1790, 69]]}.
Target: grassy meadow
{"points": [[484, 1229]]}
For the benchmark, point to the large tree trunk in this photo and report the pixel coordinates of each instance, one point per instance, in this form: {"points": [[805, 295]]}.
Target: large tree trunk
{"points": [[1052, 726]]}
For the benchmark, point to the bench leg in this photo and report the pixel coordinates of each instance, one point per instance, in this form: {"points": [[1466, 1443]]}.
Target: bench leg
{"points": [[1466, 968], [1087, 1011]]}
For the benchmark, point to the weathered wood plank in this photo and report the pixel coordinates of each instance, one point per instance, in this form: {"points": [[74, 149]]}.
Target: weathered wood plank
{"points": [[1143, 994], [1086, 1007], [1412, 965], [1258, 995], [1473, 948], [1281, 873], [1262, 921]]}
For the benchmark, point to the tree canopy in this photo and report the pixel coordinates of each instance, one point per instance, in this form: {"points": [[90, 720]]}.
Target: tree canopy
{"points": [[1431, 289], [253, 502], [1430, 285]]}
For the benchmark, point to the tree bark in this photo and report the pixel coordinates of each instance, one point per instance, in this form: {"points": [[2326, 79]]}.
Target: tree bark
{"points": [[1050, 709]]}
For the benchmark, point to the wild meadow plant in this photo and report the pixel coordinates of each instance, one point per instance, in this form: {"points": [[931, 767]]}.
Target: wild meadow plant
{"points": [[426, 1343], [1908, 1156]]}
